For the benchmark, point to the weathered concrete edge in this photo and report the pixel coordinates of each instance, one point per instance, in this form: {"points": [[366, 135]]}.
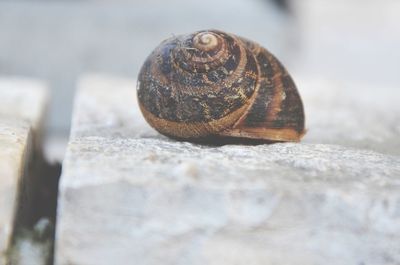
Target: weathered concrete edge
{"points": [[17, 178], [34, 95], [37, 92], [348, 204], [118, 132]]}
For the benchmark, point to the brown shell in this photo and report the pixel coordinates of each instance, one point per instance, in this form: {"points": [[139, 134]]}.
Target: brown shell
{"points": [[212, 83]]}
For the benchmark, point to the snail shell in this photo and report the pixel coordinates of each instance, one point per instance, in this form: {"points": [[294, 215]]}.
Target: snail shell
{"points": [[211, 83]]}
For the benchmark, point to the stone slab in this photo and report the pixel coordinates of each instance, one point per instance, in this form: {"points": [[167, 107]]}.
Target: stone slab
{"points": [[25, 99], [15, 147], [357, 115], [22, 108], [128, 194]]}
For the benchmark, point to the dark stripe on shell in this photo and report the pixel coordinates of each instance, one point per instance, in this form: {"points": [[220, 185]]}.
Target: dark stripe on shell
{"points": [[258, 111], [291, 114]]}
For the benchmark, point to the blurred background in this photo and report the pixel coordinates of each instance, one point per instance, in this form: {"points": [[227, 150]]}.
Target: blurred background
{"points": [[355, 41]]}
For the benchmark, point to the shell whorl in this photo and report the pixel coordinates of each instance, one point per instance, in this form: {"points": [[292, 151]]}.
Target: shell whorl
{"points": [[203, 52], [197, 79], [206, 41], [214, 83]]}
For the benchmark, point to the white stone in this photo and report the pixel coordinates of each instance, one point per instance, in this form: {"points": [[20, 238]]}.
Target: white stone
{"points": [[33, 246], [22, 106], [14, 150], [24, 99], [351, 114], [130, 195]]}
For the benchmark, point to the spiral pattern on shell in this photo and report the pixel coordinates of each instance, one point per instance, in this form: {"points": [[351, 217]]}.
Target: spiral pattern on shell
{"points": [[214, 83]]}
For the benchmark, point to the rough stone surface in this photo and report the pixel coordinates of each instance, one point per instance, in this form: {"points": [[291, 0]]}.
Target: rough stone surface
{"points": [[129, 194], [24, 99], [351, 114], [22, 104], [33, 246], [14, 151]]}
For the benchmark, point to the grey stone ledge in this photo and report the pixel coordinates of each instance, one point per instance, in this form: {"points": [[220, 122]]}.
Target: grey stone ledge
{"points": [[25, 99], [22, 108], [130, 194], [15, 149]]}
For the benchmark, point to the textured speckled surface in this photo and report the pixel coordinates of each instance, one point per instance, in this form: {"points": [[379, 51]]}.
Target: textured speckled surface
{"points": [[128, 193], [14, 147], [25, 99], [22, 107], [350, 114]]}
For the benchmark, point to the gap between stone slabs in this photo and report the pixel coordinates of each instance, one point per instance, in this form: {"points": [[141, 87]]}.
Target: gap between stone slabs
{"points": [[28, 184]]}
